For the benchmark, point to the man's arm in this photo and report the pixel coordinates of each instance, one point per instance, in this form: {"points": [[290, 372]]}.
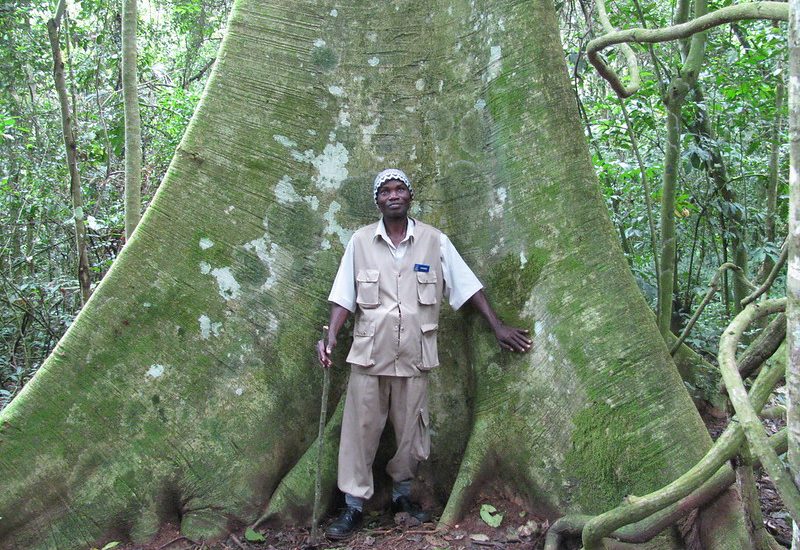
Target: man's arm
{"points": [[510, 338], [339, 315]]}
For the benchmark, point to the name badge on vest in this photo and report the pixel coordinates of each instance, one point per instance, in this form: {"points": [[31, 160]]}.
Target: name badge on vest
{"points": [[424, 268]]}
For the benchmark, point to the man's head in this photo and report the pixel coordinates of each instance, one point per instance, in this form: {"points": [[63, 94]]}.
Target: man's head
{"points": [[393, 193]]}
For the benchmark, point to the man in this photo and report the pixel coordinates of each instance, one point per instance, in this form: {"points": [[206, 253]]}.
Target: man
{"points": [[393, 276]]}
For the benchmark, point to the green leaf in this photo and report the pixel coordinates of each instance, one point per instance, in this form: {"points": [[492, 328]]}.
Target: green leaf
{"points": [[491, 516], [253, 536], [110, 545]]}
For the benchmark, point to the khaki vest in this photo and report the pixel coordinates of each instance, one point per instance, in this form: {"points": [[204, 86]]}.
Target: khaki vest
{"points": [[397, 306]]}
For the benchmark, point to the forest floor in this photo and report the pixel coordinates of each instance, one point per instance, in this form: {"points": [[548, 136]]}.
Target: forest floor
{"points": [[519, 529]]}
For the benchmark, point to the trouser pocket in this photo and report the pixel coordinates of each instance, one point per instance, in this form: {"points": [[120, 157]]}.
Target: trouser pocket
{"points": [[421, 443]]}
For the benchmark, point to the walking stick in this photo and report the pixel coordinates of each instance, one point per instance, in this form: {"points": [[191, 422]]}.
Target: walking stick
{"points": [[323, 416]]}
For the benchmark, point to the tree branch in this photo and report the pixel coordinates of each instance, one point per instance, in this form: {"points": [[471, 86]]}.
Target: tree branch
{"points": [[747, 416], [773, 11]]}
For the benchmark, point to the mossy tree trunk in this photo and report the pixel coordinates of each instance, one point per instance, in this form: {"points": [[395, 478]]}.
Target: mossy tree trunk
{"points": [[133, 122], [171, 396]]}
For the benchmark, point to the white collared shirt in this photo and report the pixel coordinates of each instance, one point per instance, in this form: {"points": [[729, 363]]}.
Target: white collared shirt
{"points": [[460, 283]]}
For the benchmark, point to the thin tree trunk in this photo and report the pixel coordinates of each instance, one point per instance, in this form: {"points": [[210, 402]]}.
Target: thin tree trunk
{"points": [[648, 200], [793, 272], [84, 279], [101, 115], [694, 52], [69, 65], [715, 168], [666, 277], [133, 131], [772, 181]]}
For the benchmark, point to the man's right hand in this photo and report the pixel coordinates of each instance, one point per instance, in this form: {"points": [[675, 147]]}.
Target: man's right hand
{"points": [[324, 351]]}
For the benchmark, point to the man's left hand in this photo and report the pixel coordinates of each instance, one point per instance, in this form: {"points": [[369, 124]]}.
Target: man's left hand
{"points": [[513, 339]]}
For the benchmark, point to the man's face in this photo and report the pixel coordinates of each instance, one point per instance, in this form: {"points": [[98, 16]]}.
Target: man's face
{"points": [[393, 199]]}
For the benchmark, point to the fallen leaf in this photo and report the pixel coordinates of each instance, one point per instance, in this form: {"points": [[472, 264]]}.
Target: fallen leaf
{"points": [[479, 537], [253, 536], [491, 516]]}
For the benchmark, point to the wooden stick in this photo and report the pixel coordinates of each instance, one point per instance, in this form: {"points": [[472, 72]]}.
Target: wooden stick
{"points": [[323, 416]]}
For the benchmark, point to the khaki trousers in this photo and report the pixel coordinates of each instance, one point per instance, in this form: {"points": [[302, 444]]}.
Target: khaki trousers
{"points": [[370, 399]]}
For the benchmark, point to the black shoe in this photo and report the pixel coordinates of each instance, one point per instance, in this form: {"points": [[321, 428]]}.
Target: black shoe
{"points": [[404, 504], [345, 525]]}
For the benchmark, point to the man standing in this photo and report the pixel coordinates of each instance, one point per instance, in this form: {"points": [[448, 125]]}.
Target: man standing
{"points": [[393, 276]]}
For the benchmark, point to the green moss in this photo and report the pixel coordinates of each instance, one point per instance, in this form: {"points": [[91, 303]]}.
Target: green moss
{"points": [[511, 282], [355, 196], [203, 525], [441, 121], [507, 101], [298, 226], [465, 179], [474, 132], [610, 459], [324, 58]]}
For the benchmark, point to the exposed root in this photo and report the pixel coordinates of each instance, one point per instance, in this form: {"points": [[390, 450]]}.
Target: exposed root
{"points": [[645, 530], [723, 450], [473, 464], [291, 499]]}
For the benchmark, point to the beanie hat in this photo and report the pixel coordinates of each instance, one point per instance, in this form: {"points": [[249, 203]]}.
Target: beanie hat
{"points": [[390, 174]]}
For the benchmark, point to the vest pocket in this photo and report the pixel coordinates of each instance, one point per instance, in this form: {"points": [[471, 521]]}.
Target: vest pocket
{"points": [[421, 444], [367, 295], [363, 340], [430, 355], [426, 287]]}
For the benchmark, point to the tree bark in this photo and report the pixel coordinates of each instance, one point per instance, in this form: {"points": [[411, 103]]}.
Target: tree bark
{"points": [[172, 394], [133, 123]]}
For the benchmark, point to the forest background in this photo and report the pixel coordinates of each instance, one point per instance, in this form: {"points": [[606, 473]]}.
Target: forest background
{"points": [[728, 204]]}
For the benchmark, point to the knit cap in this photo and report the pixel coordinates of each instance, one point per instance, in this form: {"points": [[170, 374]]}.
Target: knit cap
{"points": [[390, 174]]}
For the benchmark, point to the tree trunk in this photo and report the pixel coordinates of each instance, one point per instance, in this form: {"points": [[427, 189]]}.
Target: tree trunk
{"points": [[84, 279], [793, 270], [133, 123], [666, 276], [172, 394], [771, 191], [715, 168]]}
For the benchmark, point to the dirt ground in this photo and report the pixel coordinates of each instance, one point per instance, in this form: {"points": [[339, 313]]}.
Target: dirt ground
{"points": [[519, 530]]}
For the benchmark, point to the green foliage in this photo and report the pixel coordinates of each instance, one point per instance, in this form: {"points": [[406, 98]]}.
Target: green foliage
{"points": [[743, 65], [39, 295]]}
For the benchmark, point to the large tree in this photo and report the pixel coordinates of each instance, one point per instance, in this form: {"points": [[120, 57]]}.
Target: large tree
{"points": [[187, 388]]}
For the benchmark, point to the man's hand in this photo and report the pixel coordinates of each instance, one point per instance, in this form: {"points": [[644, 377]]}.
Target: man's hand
{"points": [[324, 351], [510, 338], [328, 342], [513, 339]]}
